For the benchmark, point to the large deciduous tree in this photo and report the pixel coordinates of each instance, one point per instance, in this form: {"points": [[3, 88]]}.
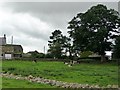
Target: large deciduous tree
{"points": [[94, 29], [116, 50]]}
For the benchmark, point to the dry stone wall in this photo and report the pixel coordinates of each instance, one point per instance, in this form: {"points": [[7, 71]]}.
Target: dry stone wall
{"points": [[60, 84]]}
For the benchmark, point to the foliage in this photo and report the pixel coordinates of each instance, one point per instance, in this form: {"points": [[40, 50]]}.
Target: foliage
{"points": [[67, 46], [59, 45], [36, 54], [55, 45], [48, 55], [85, 53], [41, 55], [116, 50], [93, 29], [84, 73]]}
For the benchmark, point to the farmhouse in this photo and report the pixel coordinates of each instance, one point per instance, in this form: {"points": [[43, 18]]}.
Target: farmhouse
{"points": [[9, 51]]}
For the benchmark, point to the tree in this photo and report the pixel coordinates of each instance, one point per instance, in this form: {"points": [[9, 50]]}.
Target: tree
{"points": [[93, 30], [34, 54], [85, 54], [55, 44], [116, 50], [67, 46]]}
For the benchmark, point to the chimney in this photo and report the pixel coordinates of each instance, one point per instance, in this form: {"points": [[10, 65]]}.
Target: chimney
{"points": [[5, 36], [4, 42], [12, 40]]}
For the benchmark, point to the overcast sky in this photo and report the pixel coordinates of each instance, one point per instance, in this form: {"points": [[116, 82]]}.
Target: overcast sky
{"points": [[31, 23]]}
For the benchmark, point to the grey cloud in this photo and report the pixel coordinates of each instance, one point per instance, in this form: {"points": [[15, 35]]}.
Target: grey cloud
{"points": [[56, 13], [33, 34], [56, 7], [119, 6]]}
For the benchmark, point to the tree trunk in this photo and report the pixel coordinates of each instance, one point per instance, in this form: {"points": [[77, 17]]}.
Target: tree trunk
{"points": [[103, 58], [70, 56], [70, 53]]}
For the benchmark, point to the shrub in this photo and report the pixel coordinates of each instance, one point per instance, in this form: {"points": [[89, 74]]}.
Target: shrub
{"points": [[85, 54]]}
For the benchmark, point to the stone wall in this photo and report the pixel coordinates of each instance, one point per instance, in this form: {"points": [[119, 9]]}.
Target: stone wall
{"points": [[56, 83]]}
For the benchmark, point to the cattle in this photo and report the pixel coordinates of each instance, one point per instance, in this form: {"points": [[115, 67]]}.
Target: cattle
{"points": [[71, 63]]}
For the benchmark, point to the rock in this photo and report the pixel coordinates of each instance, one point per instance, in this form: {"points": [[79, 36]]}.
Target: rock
{"points": [[18, 78], [19, 75], [96, 86], [38, 81], [30, 77], [109, 86], [26, 78], [58, 83], [7, 73], [114, 86], [52, 82]]}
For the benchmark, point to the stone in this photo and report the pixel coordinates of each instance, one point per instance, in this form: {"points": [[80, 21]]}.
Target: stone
{"points": [[58, 83], [18, 78], [52, 82], [30, 77], [55, 83], [109, 86], [114, 86]]}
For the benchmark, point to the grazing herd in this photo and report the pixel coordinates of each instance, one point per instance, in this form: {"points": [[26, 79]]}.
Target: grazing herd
{"points": [[71, 63]]}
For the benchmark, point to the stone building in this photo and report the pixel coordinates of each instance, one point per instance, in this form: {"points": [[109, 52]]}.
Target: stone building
{"points": [[9, 51]]}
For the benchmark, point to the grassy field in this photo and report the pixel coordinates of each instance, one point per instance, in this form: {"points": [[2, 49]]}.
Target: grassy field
{"points": [[84, 73], [13, 83]]}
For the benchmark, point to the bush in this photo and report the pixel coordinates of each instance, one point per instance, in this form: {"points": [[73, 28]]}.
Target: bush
{"points": [[85, 54]]}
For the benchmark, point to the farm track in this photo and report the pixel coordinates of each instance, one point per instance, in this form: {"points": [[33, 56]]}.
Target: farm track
{"points": [[60, 84]]}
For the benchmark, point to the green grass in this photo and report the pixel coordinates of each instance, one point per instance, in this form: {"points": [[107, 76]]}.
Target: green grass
{"points": [[0, 82], [13, 83], [84, 73]]}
